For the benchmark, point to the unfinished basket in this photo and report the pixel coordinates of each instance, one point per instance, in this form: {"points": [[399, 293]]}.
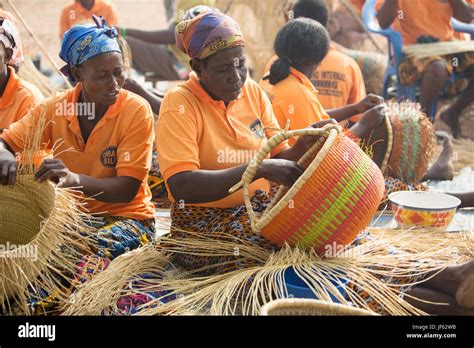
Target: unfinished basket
{"points": [[304, 307], [404, 146], [35, 220], [330, 204]]}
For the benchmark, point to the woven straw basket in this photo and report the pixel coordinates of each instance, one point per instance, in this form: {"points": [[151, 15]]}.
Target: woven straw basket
{"points": [[330, 203], [305, 307], [404, 146]]}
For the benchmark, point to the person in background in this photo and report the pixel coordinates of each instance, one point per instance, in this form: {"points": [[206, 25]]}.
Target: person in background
{"points": [[155, 51], [17, 96], [81, 12], [428, 21], [338, 91]]}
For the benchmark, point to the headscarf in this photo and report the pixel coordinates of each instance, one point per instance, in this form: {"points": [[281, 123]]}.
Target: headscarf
{"points": [[10, 38], [84, 42], [207, 34]]}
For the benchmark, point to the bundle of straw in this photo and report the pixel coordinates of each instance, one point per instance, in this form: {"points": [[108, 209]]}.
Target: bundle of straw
{"points": [[445, 48], [245, 291], [39, 223]]}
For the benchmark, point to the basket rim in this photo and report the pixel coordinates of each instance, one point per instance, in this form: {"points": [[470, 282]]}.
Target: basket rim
{"points": [[36, 240], [300, 303], [268, 216]]}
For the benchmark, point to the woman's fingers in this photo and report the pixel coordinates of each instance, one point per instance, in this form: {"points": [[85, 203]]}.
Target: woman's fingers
{"points": [[52, 174], [47, 165]]}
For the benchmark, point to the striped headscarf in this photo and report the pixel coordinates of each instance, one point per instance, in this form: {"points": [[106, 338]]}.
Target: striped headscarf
{"points": [[207, 34], [84, 42], [10, 38]]}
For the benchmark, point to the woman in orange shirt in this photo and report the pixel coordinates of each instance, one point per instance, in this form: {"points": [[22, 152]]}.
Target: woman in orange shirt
{"points": [[207, 133], [103, 137], [301, 45], [16, 95]]}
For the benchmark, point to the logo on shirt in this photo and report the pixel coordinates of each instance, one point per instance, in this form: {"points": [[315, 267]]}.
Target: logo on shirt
{"points": [[257, 128], [109, 157]]}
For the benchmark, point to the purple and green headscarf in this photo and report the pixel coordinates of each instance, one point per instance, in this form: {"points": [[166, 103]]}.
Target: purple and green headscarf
{"points": [[207, 34], [84, 42]]}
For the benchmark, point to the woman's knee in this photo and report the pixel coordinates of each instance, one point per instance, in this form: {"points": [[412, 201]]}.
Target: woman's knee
{"points": [[438, 69]]}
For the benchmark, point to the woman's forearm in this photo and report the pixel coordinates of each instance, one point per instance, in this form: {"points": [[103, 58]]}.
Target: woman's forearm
{"points": [[461, 11], [203, 186], [120, 189], [387, 13], [344, 113], [161, 37]]}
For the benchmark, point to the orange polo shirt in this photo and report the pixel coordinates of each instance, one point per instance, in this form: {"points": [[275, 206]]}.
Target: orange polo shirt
{"points": [[196, 132], [120, 145], [424, 17], [77, 14], [18, 97], [295, 99], [338, 80]]}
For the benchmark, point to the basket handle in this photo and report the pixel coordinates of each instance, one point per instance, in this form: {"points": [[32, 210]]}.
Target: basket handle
{"points": [[249, 174]]}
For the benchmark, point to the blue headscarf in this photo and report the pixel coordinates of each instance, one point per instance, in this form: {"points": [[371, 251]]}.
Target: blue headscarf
{"points": [[83, 42]]}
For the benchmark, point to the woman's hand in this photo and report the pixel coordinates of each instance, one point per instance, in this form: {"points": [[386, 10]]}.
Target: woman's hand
{"points": [[8, 168], [370, 101], [56, 171], [306, 141], [369, 121], [280, 171]]}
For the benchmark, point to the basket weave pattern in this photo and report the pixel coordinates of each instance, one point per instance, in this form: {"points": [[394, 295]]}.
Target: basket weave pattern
{"points": [[331, 202]]}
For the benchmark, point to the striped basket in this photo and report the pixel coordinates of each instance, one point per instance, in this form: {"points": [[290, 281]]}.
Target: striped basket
{"points": [[330, 204], [404, 146]]}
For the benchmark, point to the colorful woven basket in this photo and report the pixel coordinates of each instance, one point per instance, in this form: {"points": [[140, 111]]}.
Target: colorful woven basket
{"points": [[330, 203], [404, 146]]}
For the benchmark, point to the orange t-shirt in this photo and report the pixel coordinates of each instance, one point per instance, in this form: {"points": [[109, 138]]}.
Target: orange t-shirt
{"points": [[339, 81], [424, 17], [120, 145], [18, 97], [77, 14], [359, 5], [196, 132], [295, 99]]}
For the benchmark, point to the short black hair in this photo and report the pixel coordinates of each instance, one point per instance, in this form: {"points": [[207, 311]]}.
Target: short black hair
{"points": [[314, 9], [300, 43]]}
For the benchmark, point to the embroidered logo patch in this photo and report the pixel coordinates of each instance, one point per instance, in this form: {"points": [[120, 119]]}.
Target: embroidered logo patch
{"points": [[109, 157], [257, 128]]}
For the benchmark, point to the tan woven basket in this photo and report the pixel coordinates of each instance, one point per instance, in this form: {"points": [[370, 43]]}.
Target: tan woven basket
{"points": [[24, 207], [36, 221], [308, 307]]}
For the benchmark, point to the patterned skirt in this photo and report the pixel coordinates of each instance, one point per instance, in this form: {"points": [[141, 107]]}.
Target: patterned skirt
{"points": [[115, 236], [412, 69]]}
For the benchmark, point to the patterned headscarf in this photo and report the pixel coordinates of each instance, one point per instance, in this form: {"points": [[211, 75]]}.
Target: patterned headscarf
{"points": [[10, 38], [84, 42], [207, 34]]}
